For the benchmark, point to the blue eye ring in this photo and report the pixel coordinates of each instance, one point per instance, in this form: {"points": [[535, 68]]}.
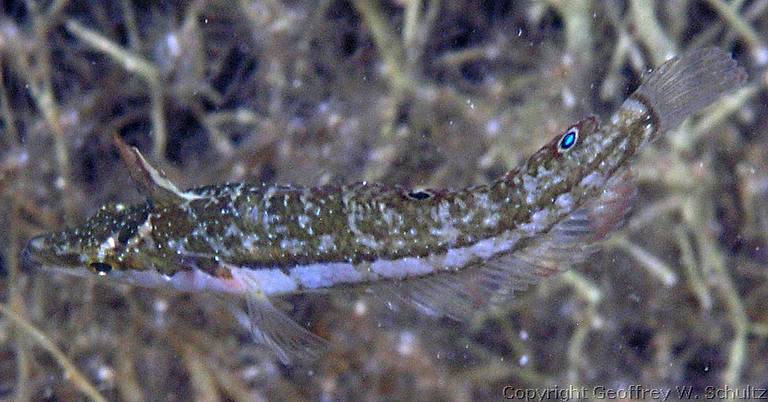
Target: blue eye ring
{"points": [[568, 140]]}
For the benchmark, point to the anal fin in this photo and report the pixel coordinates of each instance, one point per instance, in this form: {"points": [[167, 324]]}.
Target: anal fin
{"points": [[460, 295]]}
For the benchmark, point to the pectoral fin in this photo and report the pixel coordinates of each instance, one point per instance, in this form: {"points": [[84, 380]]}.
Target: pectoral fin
{"points": [[290, 342]]}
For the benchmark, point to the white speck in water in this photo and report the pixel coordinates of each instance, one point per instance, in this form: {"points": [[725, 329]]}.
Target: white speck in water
{"points": [[523, 334], [567, 59], [569, 100], [334, 119], [761, 56], [251, 373], [172, 41], [519, 32], [523, 360], [492, 52], [105, 374], [405, 345], [238, 170], [8, 32], [493, 127], [22, 157], [360, 308], [59, 183], [161, 306]]}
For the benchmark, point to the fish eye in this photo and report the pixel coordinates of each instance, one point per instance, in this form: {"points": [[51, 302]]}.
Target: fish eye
{"points": [[101, 268], [568, 140]]}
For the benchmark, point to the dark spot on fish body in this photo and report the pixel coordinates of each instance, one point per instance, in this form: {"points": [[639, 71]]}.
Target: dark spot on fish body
{"points": [[419, 195]]}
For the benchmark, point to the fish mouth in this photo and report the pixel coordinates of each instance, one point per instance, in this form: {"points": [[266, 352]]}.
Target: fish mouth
{"points": [[39, 251]]}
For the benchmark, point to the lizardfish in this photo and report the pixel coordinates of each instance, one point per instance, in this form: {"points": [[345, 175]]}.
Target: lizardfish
{"points": [[446, 251]]}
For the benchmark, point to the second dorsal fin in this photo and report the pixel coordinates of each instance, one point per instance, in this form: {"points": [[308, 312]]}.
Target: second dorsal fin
{"points": [[151, 181]]}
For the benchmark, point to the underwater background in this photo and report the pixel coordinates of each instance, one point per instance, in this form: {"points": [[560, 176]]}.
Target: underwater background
{"points": [[413, 92]]}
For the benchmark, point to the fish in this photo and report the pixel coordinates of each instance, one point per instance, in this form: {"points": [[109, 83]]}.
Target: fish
{"points": [[448, 252]]}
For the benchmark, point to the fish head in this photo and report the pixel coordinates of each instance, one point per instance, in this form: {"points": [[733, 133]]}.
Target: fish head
{"points": [[577, 155], [114, 238]]}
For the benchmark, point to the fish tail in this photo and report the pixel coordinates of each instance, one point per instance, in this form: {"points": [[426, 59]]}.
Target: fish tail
{"points": [[688, 83]]}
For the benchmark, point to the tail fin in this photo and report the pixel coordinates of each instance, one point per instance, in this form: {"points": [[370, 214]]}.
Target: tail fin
{"points": [[688, 83]]}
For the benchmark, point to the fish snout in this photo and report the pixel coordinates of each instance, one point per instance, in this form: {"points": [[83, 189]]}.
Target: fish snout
{"points": [[34, 253]]}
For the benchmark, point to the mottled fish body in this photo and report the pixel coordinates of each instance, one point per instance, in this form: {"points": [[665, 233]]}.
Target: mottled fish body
{"points": [[446, 251]]}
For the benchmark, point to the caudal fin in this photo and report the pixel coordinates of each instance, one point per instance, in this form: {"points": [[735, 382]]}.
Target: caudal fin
{"points": [[688, 83]]}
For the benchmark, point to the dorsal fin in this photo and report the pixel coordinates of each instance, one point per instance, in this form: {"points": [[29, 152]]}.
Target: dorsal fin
{"points": [[151, 181]]}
